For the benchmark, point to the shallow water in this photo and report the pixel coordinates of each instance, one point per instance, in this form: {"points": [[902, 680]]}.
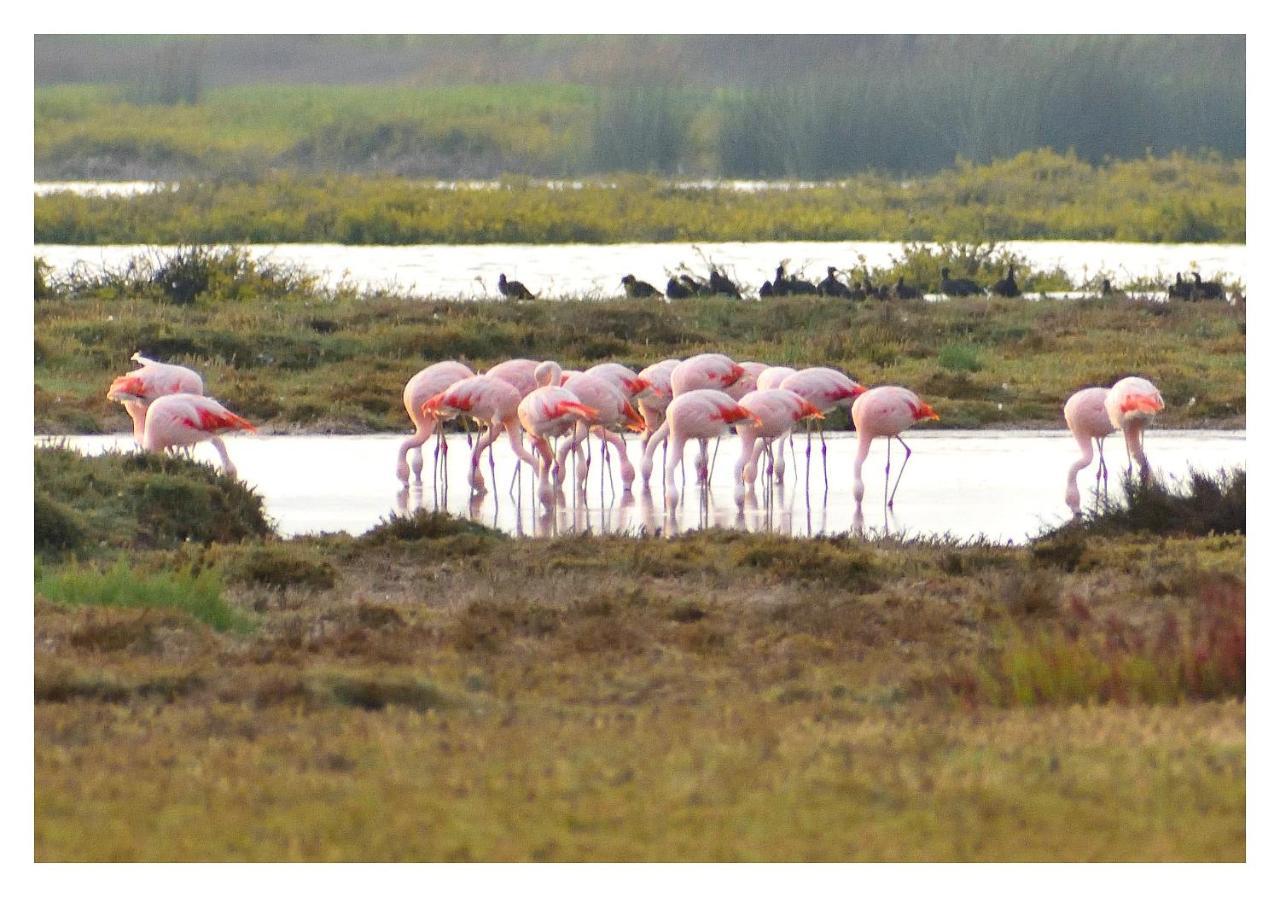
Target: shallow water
{"points": [[999, 485], [595, 271]]}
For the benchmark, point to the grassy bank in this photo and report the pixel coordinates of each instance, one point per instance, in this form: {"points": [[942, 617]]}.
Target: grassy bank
{"points": [[290, 356], [1035, 195], [435, 690]]}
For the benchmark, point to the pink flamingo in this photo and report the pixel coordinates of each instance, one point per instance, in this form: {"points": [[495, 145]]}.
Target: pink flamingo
{"points": [[546, 412], [518, 372], [828, 389], [654, 401], [428, 382], [778, 411], [490, 401], [621, 376], [885, 411], [707, 371], [747, 382], [613, 409], [701, 414], [1086, 414], [1131, 404], [772, 377], [182, 419], [137, 389]]}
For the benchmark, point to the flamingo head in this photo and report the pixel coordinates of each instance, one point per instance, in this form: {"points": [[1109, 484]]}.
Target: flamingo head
{"points": [[635, 423], [1142, 402], [127, 389], [809, 411], [924, 412]]}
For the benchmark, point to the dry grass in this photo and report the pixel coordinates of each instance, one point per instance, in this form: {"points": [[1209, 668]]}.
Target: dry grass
{"points": [[613, 698]]}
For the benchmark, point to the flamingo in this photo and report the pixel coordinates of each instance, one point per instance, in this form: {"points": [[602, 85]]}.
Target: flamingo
{"points": [[518, 372], [653, 402], [137, 389], [550, 410], [771, 378], [751, 370], [491, 401], [828, 389], [778, 411], [701, 414], [885, 411], [707, 371], [1086, 414], [183, 419], [1131, 404], [429, 381], [613, 408]]}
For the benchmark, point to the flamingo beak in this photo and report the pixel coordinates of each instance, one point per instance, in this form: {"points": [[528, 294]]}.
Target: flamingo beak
{"points": [[635, 422], [924, 412]]}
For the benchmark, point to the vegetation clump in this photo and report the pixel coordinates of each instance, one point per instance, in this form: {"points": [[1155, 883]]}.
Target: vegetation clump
{"points": [[116, 500], [1208, 503]]}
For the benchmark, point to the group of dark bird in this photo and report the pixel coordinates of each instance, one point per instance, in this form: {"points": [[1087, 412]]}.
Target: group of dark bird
{"points": [[687, 286]]}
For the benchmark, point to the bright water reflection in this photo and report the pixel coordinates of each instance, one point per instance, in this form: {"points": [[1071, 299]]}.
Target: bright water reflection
{"points": [[595, 271], [1000, 485]]}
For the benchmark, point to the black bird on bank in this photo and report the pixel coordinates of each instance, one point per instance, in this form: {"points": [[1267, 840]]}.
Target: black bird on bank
{"points": [[1180, 289], [1206, 289], [791, 286], [1007, 287], [872, 291], [676, 290], [1109, 291], [960, 286], [723, 286], [513, 289], [766, 290], [902, 291], [638, 289], [695, 286], [833, 287]]}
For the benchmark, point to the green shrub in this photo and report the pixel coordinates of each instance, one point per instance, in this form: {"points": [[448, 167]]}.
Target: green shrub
{"points": [[959, 358], [280, 566]]}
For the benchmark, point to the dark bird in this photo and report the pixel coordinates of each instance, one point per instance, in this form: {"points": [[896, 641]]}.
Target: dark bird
{"points": [[766, 290], [676, 290], [513, 289], [1180, 289], [638, 289], [960, 286], [902, 291], [694, 286], [791, 286], [872, 291], [723, 286], [833, 287], [1206, 290], [1007, 287], [1109, 290]]}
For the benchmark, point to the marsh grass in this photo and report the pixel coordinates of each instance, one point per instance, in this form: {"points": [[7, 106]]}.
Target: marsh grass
{"points": [[118, 500], [338, 361], [1203, 504], [1034, 195], [198, 594]]}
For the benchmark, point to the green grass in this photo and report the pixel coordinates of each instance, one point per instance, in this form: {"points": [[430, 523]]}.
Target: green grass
{"points": [[1034, 195], [194, 593]]}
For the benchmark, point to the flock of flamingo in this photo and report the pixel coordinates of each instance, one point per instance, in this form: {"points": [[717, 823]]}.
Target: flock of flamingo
{"points": [[668, 403]]}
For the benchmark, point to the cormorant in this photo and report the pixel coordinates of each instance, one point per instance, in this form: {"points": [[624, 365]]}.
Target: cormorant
{"points": [[960, 286], [513, 289], [1007, 287], [638, 289]]}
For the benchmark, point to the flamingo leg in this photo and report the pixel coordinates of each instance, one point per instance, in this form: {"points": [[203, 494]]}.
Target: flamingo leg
{"points": [[901, 470], [826, 485]]}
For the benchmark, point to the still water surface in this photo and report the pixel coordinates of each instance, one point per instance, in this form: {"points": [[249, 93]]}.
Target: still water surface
{"points": [[591, 271], [999, 485]]}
